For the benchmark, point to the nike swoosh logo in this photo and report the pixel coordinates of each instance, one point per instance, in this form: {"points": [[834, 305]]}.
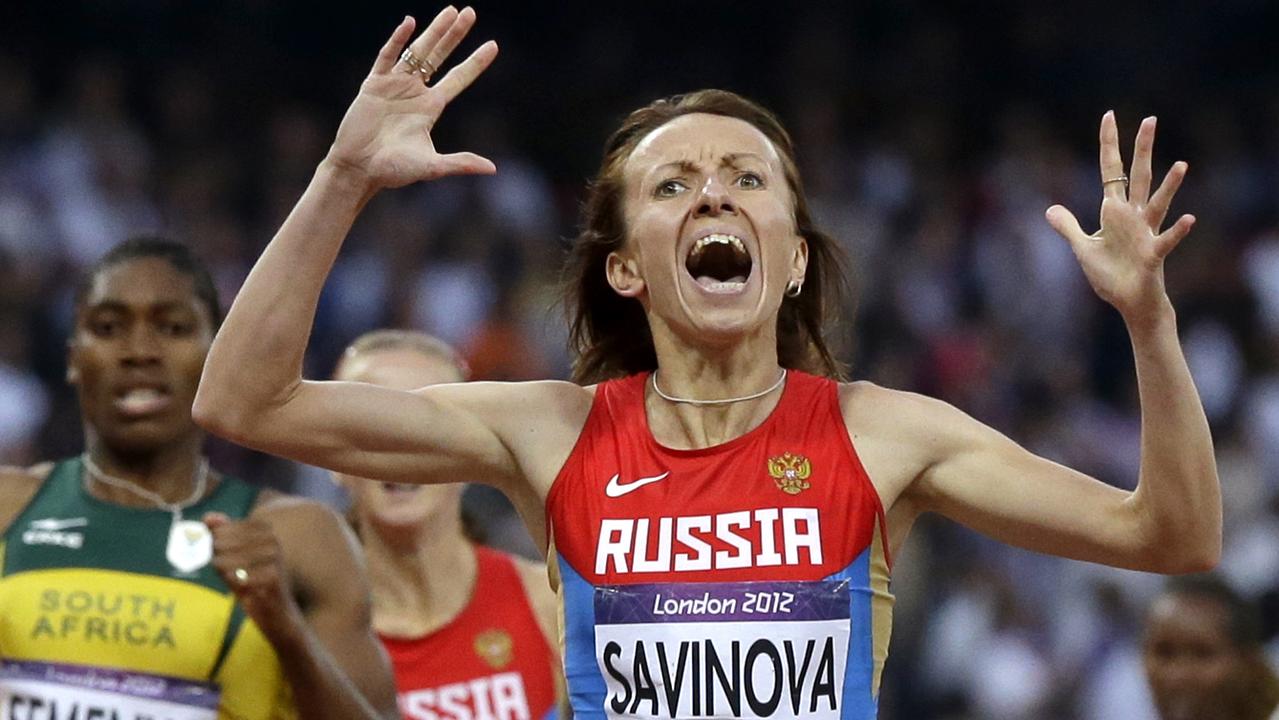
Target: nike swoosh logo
{"points": [[56, 524], [616, 489]]}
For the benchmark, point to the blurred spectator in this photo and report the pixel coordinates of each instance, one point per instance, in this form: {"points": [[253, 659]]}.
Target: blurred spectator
{"points": [[24, 404]]}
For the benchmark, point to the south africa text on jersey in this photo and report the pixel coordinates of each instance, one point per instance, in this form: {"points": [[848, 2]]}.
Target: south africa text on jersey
{"points": [[132, 619]]}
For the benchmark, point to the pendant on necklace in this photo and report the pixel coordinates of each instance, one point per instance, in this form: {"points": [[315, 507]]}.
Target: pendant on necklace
{"points": [[190, 545]]}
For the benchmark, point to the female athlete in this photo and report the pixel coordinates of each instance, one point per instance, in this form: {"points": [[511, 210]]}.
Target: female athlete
{"points": [[466, 626], [719, 509]]}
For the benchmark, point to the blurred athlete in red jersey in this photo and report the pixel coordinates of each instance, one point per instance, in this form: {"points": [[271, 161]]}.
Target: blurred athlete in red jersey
{"points": [[470, 630]]}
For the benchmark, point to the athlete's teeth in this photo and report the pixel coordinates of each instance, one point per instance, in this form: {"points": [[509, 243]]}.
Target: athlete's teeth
{"points": [[719, 239], [723, 284], [140, 394]]}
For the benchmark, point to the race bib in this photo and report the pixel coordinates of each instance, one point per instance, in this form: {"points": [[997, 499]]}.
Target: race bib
{"points": [[709, 650], [48, 691]]}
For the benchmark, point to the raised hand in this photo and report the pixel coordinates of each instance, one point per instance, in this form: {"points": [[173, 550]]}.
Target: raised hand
{"points": [[1124, 260], [385, 137]]}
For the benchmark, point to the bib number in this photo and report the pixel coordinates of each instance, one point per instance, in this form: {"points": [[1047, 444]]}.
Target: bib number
{"points": [[49, 691], [705, 650]]}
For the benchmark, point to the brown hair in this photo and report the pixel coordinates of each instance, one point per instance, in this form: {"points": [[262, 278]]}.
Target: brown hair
{"points": [[609, 334]]}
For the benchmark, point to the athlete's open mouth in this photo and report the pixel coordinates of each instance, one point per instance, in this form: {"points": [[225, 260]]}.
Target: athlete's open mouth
{"points": [[142, 399], [719, 262], [392, 487]]}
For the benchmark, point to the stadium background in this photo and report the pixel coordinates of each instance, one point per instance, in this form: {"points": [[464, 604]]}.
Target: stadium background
{"points": [[932, 137]]}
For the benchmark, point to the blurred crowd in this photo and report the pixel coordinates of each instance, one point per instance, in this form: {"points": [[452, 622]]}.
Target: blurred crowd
{"points": [[931, 141]]}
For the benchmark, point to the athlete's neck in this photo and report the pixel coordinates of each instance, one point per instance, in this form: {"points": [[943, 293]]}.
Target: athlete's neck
{"points": [[421, 576], [169, 471], [684, 370]]}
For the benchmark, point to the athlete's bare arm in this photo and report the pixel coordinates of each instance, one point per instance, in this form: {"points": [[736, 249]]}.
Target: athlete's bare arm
{"points": [[17, 487], [252, 390], [546, 608], [309, 596], [329, 581], [924, 455]]}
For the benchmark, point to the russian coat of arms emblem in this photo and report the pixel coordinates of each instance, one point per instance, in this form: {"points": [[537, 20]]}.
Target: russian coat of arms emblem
{"points": [[790, 472], [495, 647]]}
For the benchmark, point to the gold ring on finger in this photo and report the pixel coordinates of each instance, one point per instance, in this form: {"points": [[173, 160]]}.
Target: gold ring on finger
{"points": [[411, 61], [1118, 178], [422, 67]]}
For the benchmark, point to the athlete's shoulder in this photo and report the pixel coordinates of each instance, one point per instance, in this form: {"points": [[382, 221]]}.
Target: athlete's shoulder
{"points": [[898, 433], [867, 391], [34, 474], [17, 486], [290, 512], [908, 411], [305, 528], [864, 400], [316, 542]]}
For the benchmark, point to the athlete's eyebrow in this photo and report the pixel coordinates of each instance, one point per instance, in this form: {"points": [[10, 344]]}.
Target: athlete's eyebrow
{"points": [[120, 306], [732, 158], [683, 166], [729, 160], [107, 306], [688, 166]]}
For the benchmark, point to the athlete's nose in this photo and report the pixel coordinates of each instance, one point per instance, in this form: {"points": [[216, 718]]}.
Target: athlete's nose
{"points": [[713, 199], [141, 348]]}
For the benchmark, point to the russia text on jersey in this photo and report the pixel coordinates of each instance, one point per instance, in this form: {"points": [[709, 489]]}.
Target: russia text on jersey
{"points": [[684, 543]]}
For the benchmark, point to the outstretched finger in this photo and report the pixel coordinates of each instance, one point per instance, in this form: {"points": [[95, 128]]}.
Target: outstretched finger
{"points": [[1157, 210], [1168, 240], [390, 52], [1112, 163], [1140, 175], [422, 44], [1066, 225], [461, 77], [437, 50]]}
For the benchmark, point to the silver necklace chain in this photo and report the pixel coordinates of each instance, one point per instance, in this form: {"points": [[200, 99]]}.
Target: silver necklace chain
{"points": [[726, 401], [201, 482]]}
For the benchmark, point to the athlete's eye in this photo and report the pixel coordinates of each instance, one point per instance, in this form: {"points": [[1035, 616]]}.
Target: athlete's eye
{"points": [[176, 329], [104, 327], [750, 181], [175, 324], [669, 188]]}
